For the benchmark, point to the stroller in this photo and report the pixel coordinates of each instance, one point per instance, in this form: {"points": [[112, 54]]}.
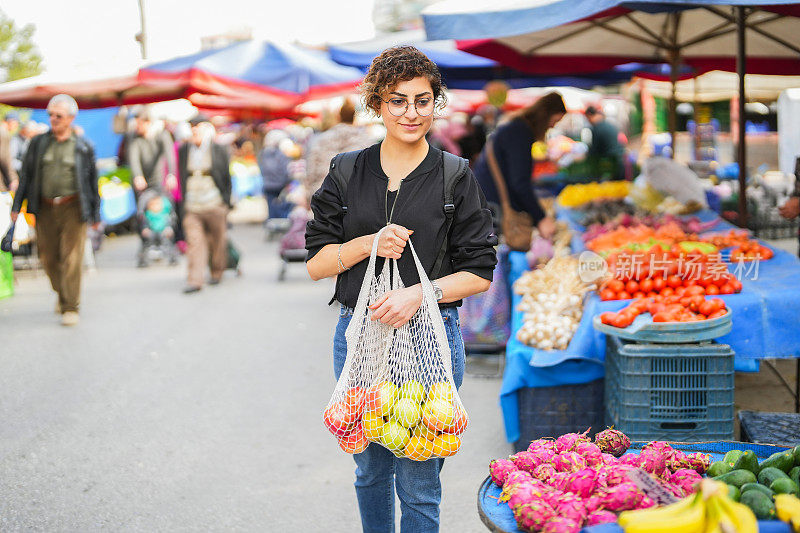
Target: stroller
{"points": [[157, 220]]}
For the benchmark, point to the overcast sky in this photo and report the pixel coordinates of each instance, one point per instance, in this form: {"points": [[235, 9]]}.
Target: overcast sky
{"points": [[98, 32]]}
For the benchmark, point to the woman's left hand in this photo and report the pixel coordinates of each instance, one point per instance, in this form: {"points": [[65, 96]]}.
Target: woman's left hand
{"points": [[398, 306]]}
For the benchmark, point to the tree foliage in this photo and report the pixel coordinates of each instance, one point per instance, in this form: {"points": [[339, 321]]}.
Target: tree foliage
{"points": [[19, 57]]}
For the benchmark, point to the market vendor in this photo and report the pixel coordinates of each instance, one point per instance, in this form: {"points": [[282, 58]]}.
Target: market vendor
{"points": [[605, 145], [511, 147], [791, 209]]}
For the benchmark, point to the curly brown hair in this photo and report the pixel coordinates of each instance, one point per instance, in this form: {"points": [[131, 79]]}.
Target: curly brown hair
{"points": [[397, 64]]}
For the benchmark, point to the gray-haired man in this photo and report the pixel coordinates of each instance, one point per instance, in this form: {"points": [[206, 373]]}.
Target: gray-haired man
{"points": [[59, 179]]}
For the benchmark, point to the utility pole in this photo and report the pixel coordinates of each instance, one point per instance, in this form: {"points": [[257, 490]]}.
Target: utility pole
{"points": [[141, 37]]}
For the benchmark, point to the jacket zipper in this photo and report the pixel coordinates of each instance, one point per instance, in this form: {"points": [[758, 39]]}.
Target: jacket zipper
{"points": [[386, 203]]}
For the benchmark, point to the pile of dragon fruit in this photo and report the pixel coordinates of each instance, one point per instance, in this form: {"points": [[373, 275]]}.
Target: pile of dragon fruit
{"points": [[562, 485]]}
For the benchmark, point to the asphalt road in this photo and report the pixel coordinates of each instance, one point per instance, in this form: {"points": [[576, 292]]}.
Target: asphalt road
{"points": [[167, 412]]}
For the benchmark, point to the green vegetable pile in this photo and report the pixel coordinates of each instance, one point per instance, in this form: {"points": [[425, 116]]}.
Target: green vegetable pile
{"points": [[756, 484]]}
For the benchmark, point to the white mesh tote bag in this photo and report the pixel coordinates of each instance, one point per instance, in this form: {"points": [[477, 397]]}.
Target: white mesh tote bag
{"points": [[396, 389]]}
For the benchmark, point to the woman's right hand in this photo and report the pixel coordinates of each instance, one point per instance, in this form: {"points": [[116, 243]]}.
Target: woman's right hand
{"points": [[393, 241]]}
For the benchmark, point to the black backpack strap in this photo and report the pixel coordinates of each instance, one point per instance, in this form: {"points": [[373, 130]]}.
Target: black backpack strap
{"points": [[454, 168], [342, 166]]}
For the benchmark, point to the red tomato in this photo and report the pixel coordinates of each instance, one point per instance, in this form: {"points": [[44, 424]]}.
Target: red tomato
{"points": [[695, 302], [655, 308], [607, 317], [667, 292], [674, 282], [608, 294], [674, 309], [695, 290], [659, 284], [766, 253], [737, 285], [719, 302], [680, 291], [616, 285], [639, 294], [623, 296], [685, 300], [712, 289], [726, 289], [720, 281], [708, 307], [646, 285], [718, 313], [652, 295], [632, 287], [664, 316]]}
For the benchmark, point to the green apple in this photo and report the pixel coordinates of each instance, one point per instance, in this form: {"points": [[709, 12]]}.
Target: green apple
{"points": [[381, 398], [413, 390], [407, 412], [394, 436]]}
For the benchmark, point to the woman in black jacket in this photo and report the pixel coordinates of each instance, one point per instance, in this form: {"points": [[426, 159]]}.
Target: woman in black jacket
{"points": [[399, 183], [512, 142], [206, 184]]}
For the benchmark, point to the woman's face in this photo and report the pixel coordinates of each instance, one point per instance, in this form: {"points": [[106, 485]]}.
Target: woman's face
{"points": [[410, 127], [555, 119]]}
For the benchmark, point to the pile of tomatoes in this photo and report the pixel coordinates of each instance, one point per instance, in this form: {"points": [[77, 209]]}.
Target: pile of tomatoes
{"points": [[692, 307], [751, 251], [666, 273]]}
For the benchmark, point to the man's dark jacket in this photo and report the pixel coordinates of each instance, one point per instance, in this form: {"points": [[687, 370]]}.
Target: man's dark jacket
{"points": [[30, 177], [220, 169]]}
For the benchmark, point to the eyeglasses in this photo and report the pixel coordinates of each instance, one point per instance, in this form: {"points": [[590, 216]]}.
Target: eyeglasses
{"points": [[399, 106]]}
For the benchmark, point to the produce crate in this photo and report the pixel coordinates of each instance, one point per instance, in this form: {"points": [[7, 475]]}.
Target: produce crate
{"points": [[675, 392], [553, 411], [770, 428]]}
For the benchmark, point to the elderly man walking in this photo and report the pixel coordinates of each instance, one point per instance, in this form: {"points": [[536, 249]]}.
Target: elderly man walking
{"points": [[59, 179]]}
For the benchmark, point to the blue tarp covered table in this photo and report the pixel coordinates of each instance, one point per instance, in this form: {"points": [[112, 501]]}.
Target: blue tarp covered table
{"points": [[499, 517], [766, 315]]}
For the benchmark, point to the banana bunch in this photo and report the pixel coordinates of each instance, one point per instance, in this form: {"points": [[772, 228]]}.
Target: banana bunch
{"points": [[788, 510], [710, 510]]}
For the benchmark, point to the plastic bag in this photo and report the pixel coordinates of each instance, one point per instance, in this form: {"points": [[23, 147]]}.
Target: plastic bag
{"points": [[485, 317], [6, 275], [396, 388], [673, 179]]}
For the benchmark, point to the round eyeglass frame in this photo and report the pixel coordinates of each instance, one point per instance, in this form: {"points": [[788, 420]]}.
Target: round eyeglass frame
{"points": [[433, 107]]}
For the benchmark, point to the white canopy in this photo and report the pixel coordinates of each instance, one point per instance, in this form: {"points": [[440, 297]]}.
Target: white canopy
{"points": [[718, 85]]}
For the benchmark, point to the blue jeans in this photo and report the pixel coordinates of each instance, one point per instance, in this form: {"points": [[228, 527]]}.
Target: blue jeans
{"points": [[379, 472]]}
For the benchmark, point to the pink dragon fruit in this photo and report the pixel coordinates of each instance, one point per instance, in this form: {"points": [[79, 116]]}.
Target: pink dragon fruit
{"points": [[554, 498], [677, 460], [544, 472], [559, 524], [699, 462], [500, 469], [572, 509], [608, 459], [675, 489], [593, 503], [542, 444], [525, 461], [630, 459], [600, 517], [646, 503], [591, 452], [532, 516], [653, 461], [623, 497], [568, 441], [569, 462], [517, 476], [617, 474], [582, 482], [559, 480], [686, 478], [526, 493], [612, 441]]}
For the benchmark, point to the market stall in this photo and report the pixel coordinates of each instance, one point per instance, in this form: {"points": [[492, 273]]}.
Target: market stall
{"points": [[764, 318]]}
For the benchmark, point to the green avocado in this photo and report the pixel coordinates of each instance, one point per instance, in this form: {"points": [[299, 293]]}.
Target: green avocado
{"points": [[770, 474], [759, 487], [759, 503], [784, 486], [747, 461], [737, 477], [783, 461], [732, 456], [718, 468]]}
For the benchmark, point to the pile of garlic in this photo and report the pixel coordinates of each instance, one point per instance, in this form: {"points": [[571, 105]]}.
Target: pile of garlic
{"points": [[552, 303]]}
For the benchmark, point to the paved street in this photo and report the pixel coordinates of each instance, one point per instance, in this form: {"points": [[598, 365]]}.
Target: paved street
{"points": [[166, 412]]}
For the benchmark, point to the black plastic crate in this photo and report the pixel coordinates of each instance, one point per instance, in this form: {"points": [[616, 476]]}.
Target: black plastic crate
{"points": [[770, 428], [553, 411], [675, 392]]}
